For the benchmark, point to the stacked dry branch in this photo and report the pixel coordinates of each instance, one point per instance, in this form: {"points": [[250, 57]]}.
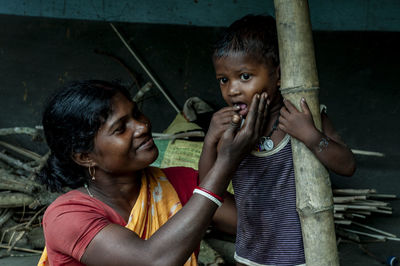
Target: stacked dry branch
{"points": [[352, 207], [22, 199]]}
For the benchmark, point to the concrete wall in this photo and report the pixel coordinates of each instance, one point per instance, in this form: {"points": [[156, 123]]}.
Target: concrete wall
{"points": [[361, 15]]}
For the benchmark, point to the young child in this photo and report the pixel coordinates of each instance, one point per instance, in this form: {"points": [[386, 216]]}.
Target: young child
{"points": [[246, 62]]}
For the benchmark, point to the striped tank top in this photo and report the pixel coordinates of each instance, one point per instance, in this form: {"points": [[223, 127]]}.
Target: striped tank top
{"points": [[268, 230]]}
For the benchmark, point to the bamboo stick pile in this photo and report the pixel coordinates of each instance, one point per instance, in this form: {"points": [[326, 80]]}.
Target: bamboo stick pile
{"points": [[22, 199], [352, 207]]}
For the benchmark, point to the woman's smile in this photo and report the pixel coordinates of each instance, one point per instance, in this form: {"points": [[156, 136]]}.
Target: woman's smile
{"points": [[146, 145]]}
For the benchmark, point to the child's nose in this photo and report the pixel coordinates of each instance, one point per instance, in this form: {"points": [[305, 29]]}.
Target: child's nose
{"points": [[233, 89]]}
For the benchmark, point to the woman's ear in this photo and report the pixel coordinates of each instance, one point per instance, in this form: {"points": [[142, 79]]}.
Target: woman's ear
{"points": [[83, 159]]}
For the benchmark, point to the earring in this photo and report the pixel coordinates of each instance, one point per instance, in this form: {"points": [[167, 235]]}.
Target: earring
{"points": [[92, 172]]}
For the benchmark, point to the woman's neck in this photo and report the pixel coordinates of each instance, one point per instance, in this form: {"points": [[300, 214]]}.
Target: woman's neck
{"points": [[120, 193]]}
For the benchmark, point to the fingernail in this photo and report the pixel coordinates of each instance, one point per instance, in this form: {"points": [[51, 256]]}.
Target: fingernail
{"points": [[302, 99], [258, 96]]}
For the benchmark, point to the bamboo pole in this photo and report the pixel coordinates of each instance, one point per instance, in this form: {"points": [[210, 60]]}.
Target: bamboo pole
{"points": [[299, 79]]}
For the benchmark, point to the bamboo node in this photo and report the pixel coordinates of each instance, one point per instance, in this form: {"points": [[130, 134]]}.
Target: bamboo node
{"points": [[297, 89], [310, 211]]}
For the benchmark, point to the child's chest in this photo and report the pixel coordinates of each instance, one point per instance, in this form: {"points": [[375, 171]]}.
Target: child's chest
{"points": [[266, 170]]}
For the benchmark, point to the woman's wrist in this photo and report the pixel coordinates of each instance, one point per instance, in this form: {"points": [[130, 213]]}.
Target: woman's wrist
{"points": [[217, 179]]}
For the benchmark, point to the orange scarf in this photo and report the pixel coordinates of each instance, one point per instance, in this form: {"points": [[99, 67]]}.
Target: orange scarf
{"points": [[156, 203]]}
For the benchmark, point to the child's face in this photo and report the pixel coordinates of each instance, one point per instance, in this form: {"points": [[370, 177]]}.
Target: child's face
{"points": [[241, 76]]}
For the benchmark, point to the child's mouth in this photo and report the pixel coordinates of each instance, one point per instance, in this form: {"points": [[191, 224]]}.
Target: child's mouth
{"points": [[243, 109]]}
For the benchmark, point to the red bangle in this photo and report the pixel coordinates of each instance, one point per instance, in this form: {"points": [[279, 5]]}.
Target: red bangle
{"points": [[221, 199]]}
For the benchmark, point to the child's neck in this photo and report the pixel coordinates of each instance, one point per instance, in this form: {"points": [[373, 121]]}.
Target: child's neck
{"points": [[275, 108], [273, 115]]}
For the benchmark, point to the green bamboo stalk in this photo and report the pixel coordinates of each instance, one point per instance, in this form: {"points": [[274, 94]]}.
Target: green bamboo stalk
{"points": [[299, 79]]}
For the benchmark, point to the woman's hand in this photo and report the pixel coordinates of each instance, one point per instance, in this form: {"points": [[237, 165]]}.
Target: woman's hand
{"points": [[235, 143], [298, 124]]}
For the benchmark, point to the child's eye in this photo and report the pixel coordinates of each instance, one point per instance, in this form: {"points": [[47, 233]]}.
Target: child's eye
{"points": [[245, 76], [222, 80]]}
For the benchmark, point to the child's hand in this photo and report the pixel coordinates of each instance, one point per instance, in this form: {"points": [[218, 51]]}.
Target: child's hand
{"points": [[297, 124], [220, 122]]}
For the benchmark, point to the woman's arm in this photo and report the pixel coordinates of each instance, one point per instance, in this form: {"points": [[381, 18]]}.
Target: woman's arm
{"points": [[225, 216], [173, 243]]}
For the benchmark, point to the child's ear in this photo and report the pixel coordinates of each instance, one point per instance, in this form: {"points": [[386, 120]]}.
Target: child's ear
{"points": [[82, 158]]}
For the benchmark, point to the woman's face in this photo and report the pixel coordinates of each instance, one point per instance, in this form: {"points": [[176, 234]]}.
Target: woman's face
{"points": [[124, 143]]}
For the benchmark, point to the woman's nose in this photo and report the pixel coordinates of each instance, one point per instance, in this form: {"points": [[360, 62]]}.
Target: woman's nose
{"points": [[140, 128]]}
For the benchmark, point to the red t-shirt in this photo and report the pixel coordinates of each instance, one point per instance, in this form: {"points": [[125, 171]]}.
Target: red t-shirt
{"points": [[73, 219]]}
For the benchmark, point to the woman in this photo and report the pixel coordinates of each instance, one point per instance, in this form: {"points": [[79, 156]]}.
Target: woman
{"points": [[121, 211]]}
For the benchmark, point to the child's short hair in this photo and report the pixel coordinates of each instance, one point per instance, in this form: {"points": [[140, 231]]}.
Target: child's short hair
{"points": [[254, 35]]}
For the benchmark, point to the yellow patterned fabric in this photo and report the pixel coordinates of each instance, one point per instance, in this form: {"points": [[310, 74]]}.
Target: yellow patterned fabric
{"points": [[156, 203]]}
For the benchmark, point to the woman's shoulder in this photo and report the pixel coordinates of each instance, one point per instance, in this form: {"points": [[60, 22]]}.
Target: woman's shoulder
{"points": [[75, 203], [72, 197]]}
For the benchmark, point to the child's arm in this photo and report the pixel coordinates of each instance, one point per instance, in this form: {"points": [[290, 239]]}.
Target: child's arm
{"points": [[327, 145], [218, 125]]}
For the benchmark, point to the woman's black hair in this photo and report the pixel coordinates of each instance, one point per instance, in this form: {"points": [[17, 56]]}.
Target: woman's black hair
{"points": [[71, 120], [254, 35]]}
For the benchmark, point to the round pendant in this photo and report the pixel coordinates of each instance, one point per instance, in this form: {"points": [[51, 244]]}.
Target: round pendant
{"points": [[268, 144]]}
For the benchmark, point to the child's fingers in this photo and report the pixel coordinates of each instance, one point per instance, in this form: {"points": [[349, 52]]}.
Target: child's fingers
{"points": [[224, 116], [284, 112], [282, 127], [290, 107], [304, 106], [282, 123]]}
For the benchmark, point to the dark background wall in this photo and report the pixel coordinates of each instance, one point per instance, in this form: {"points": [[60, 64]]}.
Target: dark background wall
{"points": [[358, 71]]}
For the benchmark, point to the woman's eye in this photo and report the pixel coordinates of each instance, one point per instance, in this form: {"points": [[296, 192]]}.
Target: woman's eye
{"points": [[120, 129], [245, 76], [222, 80]]}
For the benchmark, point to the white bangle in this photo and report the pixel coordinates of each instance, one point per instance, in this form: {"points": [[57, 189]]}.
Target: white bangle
{"points": [[210, 197]]}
